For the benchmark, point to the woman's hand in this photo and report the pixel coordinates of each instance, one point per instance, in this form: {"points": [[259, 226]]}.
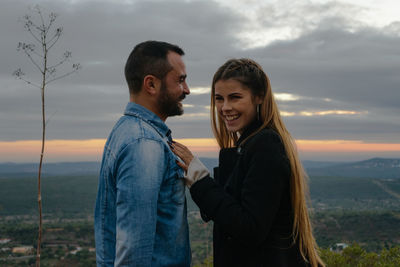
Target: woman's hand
{"points": [[194, 168], [183, 153]]}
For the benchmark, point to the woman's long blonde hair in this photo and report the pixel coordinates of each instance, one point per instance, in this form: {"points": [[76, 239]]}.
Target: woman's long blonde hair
{"points": [[251, 75]]}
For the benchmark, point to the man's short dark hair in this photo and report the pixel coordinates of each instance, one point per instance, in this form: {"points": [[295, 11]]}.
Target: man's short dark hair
{"points": [[148, 58]]}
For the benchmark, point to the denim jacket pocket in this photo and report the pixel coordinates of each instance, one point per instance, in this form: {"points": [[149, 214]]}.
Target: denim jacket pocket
{"points": [[173, 190], [178, 190]]}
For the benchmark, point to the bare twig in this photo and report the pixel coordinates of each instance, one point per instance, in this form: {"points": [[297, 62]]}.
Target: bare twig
{"points": [[65, 58], [65, 75], [34, 36], [39, 32], [55, 38], [19, 75], [33, 61]]}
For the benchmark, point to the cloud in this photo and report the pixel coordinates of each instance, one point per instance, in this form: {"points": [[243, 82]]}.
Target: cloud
{"points": [[288, 20], [356, 71], [323, 60], [200, 90], [321, 113], [285, 97], [100, 35]]}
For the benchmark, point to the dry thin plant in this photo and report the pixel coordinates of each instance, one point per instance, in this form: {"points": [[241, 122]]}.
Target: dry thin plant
{"points": [[45, 35]]}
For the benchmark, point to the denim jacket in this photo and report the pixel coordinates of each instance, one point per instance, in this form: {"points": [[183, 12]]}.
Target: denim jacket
{"points": [[140, 213]]}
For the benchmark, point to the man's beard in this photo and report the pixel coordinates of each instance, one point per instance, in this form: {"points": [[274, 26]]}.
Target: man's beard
{"points": [[169, 106]]}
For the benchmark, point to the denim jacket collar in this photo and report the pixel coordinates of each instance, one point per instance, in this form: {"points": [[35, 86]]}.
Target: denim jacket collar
{"points": [[133, 109]]}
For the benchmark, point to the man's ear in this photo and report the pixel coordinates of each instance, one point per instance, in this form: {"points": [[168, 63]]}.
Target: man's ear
{"points": [[151, 84]]}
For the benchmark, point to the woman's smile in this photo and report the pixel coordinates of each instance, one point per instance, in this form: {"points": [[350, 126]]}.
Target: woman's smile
{"points": [[235, 104], [230, 118]]}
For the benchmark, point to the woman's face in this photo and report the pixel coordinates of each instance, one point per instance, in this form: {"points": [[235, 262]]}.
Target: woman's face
{"points": [[236, 105]]}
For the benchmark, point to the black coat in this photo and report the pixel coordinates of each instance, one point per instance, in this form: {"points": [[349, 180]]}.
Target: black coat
{"points": [[249, 202]]}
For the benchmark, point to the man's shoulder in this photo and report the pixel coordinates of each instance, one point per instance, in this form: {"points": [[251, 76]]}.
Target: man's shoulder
{"points": [[132, 128]]}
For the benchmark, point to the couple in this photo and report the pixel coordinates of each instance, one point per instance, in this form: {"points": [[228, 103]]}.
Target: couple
{"points": [[256, 198]]}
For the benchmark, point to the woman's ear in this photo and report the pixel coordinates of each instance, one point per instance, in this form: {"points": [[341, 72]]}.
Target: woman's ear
{"points": [[151, 84], [258, 100]]}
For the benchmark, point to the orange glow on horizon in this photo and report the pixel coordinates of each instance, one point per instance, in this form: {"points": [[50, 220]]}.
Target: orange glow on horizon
{"points": [[200, 144], [92, 149], [81, 149], [204, 144]]}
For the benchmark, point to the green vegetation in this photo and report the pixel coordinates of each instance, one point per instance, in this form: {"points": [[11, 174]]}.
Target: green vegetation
{"points": [[355, 194], [355, 256], [351, 256], [360, 211], [71, 243], [63, 196], [373, 230], [64, 244], [200, 238], [74, 196], [344, 187]]}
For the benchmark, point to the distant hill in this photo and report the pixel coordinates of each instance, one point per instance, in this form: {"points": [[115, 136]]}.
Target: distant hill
{"points": [[210, 163], [310, 164], [60, 168], [66, 168], [372, 168], [380, 168]]}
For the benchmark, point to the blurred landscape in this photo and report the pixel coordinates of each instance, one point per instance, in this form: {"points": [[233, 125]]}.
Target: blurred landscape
{"points": [[353, 202]]}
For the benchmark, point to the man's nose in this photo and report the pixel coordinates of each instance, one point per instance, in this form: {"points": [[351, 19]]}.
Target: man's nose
{"points": [[186, 89]]}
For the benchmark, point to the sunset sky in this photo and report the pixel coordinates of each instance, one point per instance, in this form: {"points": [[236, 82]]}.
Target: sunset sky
{"points": [[334, 68]]}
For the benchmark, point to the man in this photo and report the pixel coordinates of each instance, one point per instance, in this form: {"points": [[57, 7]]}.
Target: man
{"points": [[140, 214]]}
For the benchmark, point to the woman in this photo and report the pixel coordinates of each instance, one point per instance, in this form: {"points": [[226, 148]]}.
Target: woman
{"points": [[257, 197]]}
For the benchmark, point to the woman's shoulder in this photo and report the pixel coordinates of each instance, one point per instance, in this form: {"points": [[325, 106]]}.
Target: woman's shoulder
{"points": [[267, 144], [265, 141], [265, 136]]}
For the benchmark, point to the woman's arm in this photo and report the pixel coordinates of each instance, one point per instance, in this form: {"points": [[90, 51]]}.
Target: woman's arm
{"points": [[266, 179]]}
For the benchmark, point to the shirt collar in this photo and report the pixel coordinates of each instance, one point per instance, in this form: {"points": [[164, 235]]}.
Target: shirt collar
{"points": [[249, 130], [133, 109]]}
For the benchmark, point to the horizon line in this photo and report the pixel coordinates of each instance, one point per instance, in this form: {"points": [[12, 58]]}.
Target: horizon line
{"points": [[216, 158], [62, 150]]}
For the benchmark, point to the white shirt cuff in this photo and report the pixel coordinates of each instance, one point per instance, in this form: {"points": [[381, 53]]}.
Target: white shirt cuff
{"points": [[196, 171]]}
